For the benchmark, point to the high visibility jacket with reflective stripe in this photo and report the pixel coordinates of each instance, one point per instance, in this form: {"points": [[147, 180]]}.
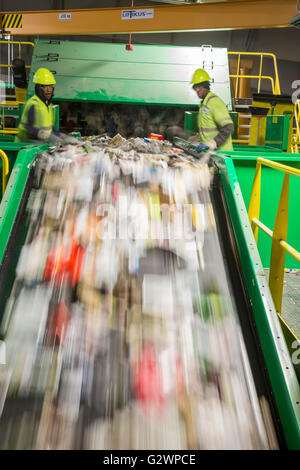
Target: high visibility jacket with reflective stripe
{"points": [[43, 119], [213, 115]]}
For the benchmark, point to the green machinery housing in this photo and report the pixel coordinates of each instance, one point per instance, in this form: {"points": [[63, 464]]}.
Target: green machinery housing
{"points": [[160, 76]]}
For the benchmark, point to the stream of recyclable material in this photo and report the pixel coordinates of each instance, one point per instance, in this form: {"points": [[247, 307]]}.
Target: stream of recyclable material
{"points": [[120, 329]]}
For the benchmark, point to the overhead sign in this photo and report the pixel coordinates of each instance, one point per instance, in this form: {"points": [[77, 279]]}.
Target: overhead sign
{"points": [[138, 14], [64, 16]]}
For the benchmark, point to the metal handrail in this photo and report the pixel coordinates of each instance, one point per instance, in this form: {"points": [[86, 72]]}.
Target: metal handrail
{"points": [[255, 76], [279, 234], [295, 144], [10, 66], [278, 166], [5, 169], [5, 130], [8, 130], [275, 86], [20, 43]]}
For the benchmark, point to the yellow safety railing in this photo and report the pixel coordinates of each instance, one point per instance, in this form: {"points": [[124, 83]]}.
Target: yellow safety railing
{"points": [[9, 66], [8, 130], [295, 143], [274, 82], [19, 43], [19, 92], [279, 234], [5, 169]]}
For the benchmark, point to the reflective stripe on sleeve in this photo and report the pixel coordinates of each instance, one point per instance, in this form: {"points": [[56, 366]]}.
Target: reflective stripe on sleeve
{"points": [[225, 120], [209, 98], [208, 129], [28, 126]]}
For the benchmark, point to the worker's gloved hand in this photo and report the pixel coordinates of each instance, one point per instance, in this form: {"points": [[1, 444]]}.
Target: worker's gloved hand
{"points": [[55, 139], [68, 139], [194, 139], [202, 148], [44, 134], [211, 144]]}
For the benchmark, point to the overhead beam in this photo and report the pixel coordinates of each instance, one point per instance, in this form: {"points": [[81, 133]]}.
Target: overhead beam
{"points": [[251, 14]]}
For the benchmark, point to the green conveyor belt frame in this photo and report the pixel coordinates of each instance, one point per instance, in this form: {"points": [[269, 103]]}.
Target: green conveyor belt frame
{"points": [[14, 191], [284, 382], [245, 164]]}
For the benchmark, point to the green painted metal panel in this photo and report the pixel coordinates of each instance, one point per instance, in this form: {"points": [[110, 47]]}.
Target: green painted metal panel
{"points": [[11, 150], [284, 381], [11, 146], [56, 117], [14, 191], [253, 149], [277, 131], [235, 119], [11, 111], [271, 183], [154, 75], [7, 138], [190, 123]]}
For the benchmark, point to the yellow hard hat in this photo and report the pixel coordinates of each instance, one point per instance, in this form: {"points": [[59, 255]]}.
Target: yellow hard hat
{"points": [[44, 77], [200, 76]]}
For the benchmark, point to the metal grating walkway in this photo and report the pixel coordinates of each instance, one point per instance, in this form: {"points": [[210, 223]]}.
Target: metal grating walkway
{"points": [[291, 300]]}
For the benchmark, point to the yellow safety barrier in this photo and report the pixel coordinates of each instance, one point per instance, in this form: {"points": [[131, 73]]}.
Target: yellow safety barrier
{"points": [[5, 169], [237, 76], [9, 66], [20, 43], [8, 130], [295, 143], [279, 234], [20, 93], [275, 84]]}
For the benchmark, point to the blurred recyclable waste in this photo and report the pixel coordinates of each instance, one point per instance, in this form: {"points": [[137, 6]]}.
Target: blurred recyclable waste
{"points": [[120, 329]]}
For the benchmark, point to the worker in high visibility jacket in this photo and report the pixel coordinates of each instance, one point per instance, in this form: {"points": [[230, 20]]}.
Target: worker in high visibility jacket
{"points": [[214, 122], [37, 122]]}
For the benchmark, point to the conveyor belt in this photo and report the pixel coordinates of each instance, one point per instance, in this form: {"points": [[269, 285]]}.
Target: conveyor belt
{"points": [[238, 287], [221, 255]]}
